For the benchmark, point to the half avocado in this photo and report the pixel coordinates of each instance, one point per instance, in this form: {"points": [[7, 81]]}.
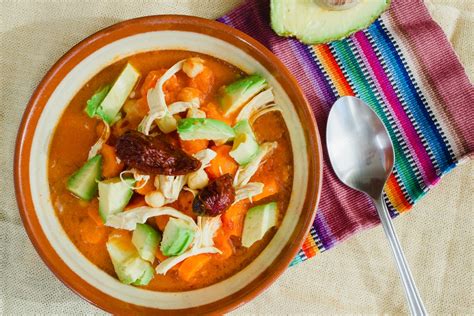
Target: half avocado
{"points": [[315, 22]]}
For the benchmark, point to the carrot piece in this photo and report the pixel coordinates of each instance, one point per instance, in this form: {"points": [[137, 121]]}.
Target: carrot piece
{"points": [[270, 188], [223, 243], [193, 146], [147, 188], [188, 94], [110, 166], [90, 232], [191, 266], [203, 81], [213, 111], [150, 81], [135, 110], [136, 201], [161, 221], [94, 215], [142, 106], [223, 163], [184, 204], [233, 219], [174, 84]]}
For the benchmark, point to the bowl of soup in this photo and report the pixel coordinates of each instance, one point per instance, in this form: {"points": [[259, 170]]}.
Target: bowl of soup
{"points": [[168, 164]]}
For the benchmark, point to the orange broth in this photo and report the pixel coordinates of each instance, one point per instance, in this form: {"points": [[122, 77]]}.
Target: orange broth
{"points": [[76, 133]]}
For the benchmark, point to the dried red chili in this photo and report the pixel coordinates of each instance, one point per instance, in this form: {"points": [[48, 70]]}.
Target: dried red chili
{"points": [[153, 155], [216, 197]]}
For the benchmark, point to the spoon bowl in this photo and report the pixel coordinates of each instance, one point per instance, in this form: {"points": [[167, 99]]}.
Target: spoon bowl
{"points": [[359, 146], [361, 154]]}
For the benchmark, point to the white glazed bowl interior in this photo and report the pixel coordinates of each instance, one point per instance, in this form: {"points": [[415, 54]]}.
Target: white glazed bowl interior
{"points": [[65, 91]]}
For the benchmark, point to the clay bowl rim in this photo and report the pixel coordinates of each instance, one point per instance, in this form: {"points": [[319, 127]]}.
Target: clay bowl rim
{"points": [[127, 28]]}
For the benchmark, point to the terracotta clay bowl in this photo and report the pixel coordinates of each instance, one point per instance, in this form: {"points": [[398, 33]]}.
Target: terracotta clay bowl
{"points": [[59, 86]]}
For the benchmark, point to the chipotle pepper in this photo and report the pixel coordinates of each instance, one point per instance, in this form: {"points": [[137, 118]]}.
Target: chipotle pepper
{"points": [[153, 155], [216, 197]]}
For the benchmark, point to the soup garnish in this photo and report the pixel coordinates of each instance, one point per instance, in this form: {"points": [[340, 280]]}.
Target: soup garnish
{"points": [[183, 178]]}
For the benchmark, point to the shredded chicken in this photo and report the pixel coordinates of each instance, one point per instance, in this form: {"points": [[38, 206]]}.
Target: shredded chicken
{"points": [[95, 149], [248, 191], [167, 264], [128, 220], [137, 176], [208, 227], [157, 103], [170, 186], [260, 104], [181, 106]]}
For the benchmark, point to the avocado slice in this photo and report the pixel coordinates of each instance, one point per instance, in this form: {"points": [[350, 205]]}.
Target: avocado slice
{"points": [[114, 195], [94, 102], [312, 22], [129, 267], [204, 128], [245, 145], [111, 104], [258, 221], [235, 95], [146, 240], [177, 237], [146, 276], [83, 182]]}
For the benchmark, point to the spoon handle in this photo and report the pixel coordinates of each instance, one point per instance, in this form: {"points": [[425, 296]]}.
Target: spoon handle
{"points": [[411, 292]]}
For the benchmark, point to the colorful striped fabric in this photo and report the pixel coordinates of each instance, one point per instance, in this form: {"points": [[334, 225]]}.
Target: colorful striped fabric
{"points": [[405, 69]]}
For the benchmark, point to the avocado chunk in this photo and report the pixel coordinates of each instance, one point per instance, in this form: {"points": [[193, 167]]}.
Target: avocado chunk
{"points": [[245, 145], [235, 95], [313, 23], [204, 128], [177, 237], [83, 182], [132, 270], [146, 276], [94, 102], [114, 195], [110, 106], [146, 240], [129, 267], [258, 221]]}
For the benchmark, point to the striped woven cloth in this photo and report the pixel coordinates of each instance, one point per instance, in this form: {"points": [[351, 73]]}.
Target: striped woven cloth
{"points": [[404, 67]]}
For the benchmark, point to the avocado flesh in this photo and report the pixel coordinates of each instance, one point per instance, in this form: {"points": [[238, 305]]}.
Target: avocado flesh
{"points": [[114, 195], [245, 144], [258, 220], [239, 92], [313, 24], [146, 239], [129, 267], [177, 236], [83, 182], [204, 128]]}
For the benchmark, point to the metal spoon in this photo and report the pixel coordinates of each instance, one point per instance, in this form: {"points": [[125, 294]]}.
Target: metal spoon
{"points": [[361, 154]]}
